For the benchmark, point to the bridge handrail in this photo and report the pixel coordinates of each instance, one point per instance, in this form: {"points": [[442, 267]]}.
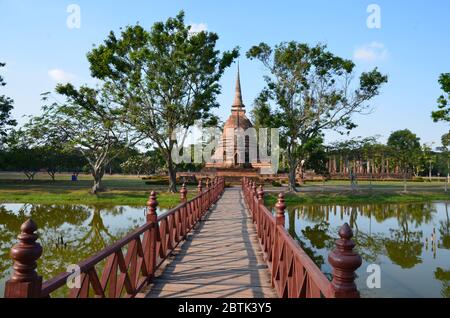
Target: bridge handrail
{"points": [[293, 272], [126, 272]]}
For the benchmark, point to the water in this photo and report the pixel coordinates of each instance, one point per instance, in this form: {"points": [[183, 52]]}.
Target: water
{"points": [[410, 243], [68, 233]]}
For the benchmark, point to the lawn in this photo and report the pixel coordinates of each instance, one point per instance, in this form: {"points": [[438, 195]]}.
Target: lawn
{"points": [[132, 190], [120, 190]]}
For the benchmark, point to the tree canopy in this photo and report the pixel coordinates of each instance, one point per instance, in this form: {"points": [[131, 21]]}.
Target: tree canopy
{"points": [[86, 122], [163, 79], [311, 90], [405, 147], [443, 112], [6, 106]]}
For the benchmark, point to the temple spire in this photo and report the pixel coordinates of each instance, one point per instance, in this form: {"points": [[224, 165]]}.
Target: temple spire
{"points": [[238, 104]]}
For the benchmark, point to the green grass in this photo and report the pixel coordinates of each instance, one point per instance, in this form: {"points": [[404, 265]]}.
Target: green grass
{"points": [[120, 190], [132, 190]]}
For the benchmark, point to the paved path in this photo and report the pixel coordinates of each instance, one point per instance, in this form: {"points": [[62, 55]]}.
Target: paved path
{"points": [[221, 258]]}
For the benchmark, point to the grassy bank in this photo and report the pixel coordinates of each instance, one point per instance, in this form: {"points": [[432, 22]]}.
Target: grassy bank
{"points": [[120, 190], [132, 190]]}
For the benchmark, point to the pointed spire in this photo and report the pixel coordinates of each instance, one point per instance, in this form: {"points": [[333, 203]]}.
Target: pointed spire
{"points": [[238, 104]]}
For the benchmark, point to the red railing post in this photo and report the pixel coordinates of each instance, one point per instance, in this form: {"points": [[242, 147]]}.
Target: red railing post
{"points": [[280, 207], [152, 217], [280, 210], [254, 195], [183, 193], [184, 210], [260, 195], [208, 186], [25, 282], [200, 187], [345, 261]]}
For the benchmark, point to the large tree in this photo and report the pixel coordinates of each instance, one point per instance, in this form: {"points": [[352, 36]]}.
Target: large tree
{"points": [[405, 148], [443, 112], [6, 105], [86, 122], [445, 140], [164, 79], [312, 91]]}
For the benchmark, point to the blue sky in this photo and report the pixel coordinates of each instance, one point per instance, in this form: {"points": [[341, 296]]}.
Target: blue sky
{"points": [[412, 47]]}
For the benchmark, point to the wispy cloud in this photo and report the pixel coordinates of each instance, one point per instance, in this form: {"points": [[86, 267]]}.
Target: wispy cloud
{"points": [[371, 53], [198, 27], [59, 75]]}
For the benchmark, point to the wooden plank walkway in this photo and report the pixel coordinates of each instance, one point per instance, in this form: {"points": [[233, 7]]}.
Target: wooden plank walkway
{"points": [[220, 259]]}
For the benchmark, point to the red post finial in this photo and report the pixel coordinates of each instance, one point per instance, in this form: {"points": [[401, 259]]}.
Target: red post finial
{"points": [[254, 188], [183, 193], [345, 261], [207, 184], [25, 282], [260, 193], [152, 203], [280, 207], [200, 187]]}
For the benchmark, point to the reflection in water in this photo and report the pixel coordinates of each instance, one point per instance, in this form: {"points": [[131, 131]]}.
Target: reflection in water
{"points": [[411, 243], [68, 234]]}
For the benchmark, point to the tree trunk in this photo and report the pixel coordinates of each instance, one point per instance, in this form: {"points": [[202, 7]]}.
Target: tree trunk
{"points": [[292, 179], [52, 175], [172, 176], [98, 175], [30, 175], [404, 182]]}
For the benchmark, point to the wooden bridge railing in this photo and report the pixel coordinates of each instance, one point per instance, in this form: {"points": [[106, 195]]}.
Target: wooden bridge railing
{"points": [[294, 274], [130, 263]]}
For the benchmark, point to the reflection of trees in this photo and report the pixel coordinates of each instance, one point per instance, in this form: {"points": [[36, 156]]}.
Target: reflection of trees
{"points": [[405, 247], [369, 245], [444, 277], [317, 259], [68, 234], [71, 246], [318, 235], [444, 230], [49, 219], [402, 246]]}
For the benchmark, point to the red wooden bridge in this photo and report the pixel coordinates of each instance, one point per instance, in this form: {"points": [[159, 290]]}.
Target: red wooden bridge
{"points": [[222, 243]]}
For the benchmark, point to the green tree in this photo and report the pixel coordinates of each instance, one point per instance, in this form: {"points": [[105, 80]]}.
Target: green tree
{"points": [[86, 122], [428, 158], [164, 79], [147, 163], [23, 155], [312, 91], [443, 112], [445, 140], [6, 105], [405, 148]]}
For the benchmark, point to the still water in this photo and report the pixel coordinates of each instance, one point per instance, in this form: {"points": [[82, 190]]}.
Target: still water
{"points": [[410, 243], [68, 233]]}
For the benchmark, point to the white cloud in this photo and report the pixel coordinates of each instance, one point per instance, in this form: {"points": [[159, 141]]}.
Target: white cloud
{"points": [[198, 27], [59, 75], [371, 53]]}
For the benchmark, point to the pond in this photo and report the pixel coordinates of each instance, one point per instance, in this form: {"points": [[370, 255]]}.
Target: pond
{"points": [[68, 233], [409, 242]]}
